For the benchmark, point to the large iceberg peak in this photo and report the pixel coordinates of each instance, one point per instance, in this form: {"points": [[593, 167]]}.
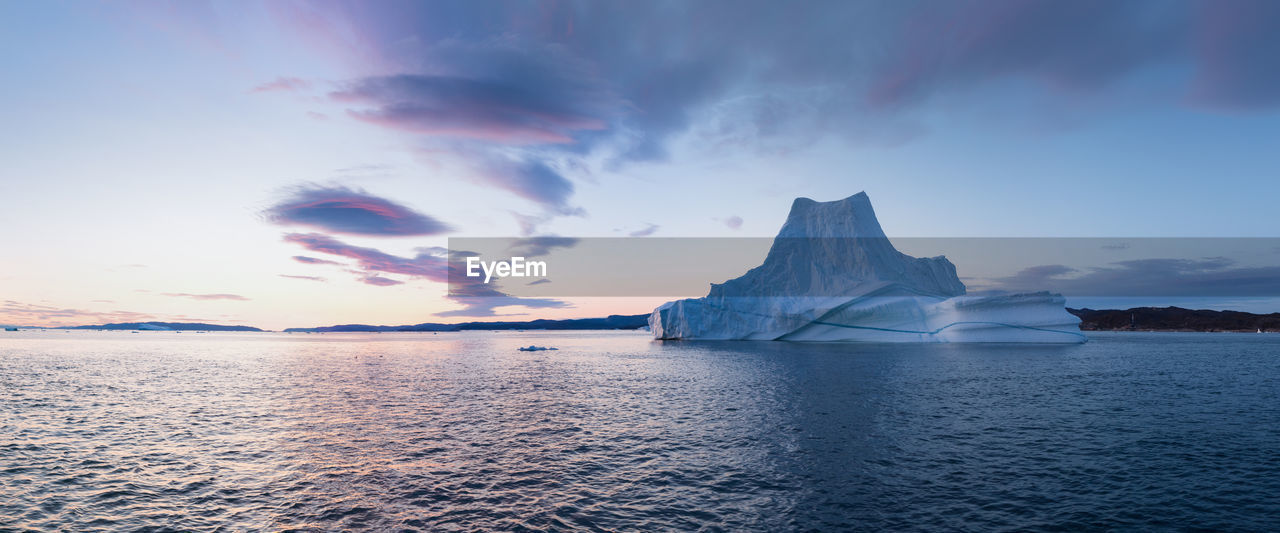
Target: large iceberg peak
{"points": [[851, 217], [837, 248]]}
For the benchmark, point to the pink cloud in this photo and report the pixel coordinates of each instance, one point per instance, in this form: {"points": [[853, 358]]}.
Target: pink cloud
{"points": [[352, 212], [425, 265]]}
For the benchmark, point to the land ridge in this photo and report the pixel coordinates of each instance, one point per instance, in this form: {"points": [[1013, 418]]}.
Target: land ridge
{"points": [[1133, 319]]}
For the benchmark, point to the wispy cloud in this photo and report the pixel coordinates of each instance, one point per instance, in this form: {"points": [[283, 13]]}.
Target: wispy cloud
{"points": [[530, 95], [1208, 277], [20, 313], [350, 211], [432, 264], [646, 231], [531, 179], [488, 306], [539, 246], [314, 260], [282, 84], [379, 281], [428, 264], [308, 278], [235, 297]]}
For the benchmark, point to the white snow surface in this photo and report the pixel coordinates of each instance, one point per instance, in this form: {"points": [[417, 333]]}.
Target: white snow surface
{"points": [[832, 275]]}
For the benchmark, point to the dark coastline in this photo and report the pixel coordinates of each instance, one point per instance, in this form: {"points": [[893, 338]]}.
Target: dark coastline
{"points": [[1175, 319], [609, 322], [1136, 319]]}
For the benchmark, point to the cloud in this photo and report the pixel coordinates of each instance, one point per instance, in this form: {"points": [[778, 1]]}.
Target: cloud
{"points": [[309, 278], [1210, 276], [205, 297], [497, 91], [428, 264], [352, 212], [539, 246], [532, 180], [379, 281], [578, 75], [1081, 45], [487, 306], [478, 299], [42, 315], [314, 261], [733, 222], [1235, 49], [556, 92], [282, 84], [647, 231]]}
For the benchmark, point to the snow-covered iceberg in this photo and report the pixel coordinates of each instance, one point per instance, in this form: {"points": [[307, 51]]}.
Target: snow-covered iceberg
{"points": [[833, 275]]}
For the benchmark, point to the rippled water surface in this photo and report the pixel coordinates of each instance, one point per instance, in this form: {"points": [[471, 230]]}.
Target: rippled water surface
{"points": [[459, 431]]}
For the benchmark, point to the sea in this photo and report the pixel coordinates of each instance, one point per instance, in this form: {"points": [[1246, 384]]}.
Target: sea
{"points": [[613, 431]]}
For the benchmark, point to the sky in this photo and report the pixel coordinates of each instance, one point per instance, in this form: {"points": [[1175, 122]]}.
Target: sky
{"points": [[293, 163]]}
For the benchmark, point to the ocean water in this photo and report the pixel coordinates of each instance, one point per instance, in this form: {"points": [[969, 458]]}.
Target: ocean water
{"points": [[460, 431]]}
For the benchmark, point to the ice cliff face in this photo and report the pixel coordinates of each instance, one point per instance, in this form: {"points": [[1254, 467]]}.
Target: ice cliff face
{"points": [[832, 275]]}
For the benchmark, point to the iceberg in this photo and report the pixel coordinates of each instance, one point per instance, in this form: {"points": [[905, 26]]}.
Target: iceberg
{"points": [[832, 275]]}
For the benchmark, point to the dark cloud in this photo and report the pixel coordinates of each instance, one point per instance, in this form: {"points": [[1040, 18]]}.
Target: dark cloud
{"points": [[353, 212], [647, 231], [1080, 45], [236, 297], [498, 90], [1235, 50], [308, 278], [1205, 277], [558, 73], [540, 83]]}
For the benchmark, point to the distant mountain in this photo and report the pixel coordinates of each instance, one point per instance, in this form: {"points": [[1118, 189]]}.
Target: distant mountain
{"points": [[609, 322], [1174, 319], [165, 326]]}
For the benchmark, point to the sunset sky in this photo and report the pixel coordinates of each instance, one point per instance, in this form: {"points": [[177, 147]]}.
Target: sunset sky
{"points": [[296, 163]]}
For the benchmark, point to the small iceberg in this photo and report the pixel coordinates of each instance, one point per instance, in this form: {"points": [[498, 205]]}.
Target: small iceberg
{"points": [[532, 348]]}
